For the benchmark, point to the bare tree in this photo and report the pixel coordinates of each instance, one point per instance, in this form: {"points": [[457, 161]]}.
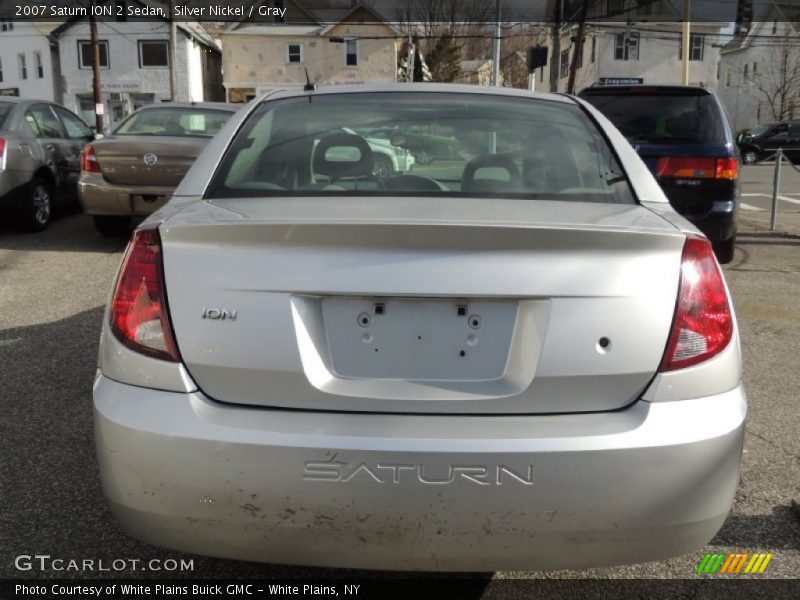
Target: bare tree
{"points": [[779, 80], [448, 30]]}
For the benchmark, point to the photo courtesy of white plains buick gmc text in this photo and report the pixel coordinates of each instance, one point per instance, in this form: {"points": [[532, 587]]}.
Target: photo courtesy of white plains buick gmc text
{"points": [[512, 355]]}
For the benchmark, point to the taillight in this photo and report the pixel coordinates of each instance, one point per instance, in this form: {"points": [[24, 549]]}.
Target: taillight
{"points": [[698, 168], [89, 162], [139, 315], [703, 323], [2, 153]]}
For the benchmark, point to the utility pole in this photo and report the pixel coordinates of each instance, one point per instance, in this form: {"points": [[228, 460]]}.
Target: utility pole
{"points": [[496, 46], [685, 41], [555, 63], [173, 53], [576, 56], [97, 96]]}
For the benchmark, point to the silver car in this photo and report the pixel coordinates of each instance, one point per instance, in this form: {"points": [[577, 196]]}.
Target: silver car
{"points": [[524, 361], [40, 150]]}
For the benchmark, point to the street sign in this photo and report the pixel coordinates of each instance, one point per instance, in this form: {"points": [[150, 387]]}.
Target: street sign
{"points": [[535, 57], [621, 80]]}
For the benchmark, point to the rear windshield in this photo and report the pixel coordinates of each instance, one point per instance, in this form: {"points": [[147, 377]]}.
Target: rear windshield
{"points": [[662, 117], [178, 122], [5, 109], [431, 143]]}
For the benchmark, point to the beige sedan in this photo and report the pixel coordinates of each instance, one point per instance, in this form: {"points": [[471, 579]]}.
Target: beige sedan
{"points": [[134, 170]]}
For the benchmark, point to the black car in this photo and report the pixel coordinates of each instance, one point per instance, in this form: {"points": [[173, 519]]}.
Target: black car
{"points": [[764, 141], [684, 137]]}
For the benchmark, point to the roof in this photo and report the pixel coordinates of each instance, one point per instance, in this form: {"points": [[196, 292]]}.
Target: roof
{"points": [[452, 88], [277, 30]]}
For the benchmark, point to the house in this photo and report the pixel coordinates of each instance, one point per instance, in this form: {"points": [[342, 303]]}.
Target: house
{"points": [[333, 42], [637, 41], [134, 64], [29, 64], [477, 72], [760, 67]]}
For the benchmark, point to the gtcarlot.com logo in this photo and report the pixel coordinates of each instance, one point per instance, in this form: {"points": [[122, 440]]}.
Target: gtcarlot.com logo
{"points": [[740, 563], [45, 562]]}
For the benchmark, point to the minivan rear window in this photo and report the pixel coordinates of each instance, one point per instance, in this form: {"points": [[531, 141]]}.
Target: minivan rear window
{"points": [[662, 117], [420, 144]]}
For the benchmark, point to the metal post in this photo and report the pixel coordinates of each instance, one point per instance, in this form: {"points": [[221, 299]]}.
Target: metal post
{"points": [[776, 184], [686, 46], [532, 80], [496, 47]]}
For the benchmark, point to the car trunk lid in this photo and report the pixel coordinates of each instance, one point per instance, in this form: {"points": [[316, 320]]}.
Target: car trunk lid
{"points": [[409, 305], [147, 160]]}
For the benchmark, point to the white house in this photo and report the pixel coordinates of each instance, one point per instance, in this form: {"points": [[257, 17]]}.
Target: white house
{"points": [[646, 47], [28, 61], [760, 69], [134, 65]]}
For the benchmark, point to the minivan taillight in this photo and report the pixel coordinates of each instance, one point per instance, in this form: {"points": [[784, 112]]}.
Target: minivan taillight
{"points": [[139, 314], [697, 168], [89, 162], [703, 323]]}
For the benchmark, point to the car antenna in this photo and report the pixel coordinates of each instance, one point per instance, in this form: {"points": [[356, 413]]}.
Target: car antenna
{"points": [[309, 86]]}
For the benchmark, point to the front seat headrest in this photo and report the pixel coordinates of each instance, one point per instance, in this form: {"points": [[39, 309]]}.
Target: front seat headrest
{"points": [[346, 164]]}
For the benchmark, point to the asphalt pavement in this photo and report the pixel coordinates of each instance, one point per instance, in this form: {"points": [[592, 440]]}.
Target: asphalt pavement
{"points": [[54, 285]]}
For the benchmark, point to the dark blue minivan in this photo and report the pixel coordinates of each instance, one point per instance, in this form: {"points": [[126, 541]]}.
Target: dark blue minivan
{"points": [[684, 137]]}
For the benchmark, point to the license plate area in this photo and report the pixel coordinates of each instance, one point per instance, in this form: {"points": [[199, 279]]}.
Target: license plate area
{"points": [[419, 339]]}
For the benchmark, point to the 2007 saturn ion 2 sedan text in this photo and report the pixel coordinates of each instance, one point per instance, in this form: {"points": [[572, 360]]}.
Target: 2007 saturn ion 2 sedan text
{"points": [[515, 357]]}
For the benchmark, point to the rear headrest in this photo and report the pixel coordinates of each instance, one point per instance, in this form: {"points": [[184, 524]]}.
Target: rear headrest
{"points": [[336, 169]]}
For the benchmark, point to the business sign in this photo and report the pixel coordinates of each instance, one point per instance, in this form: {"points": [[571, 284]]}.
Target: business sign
{"points": [[120, 86], [9, 91], [621, 80]]}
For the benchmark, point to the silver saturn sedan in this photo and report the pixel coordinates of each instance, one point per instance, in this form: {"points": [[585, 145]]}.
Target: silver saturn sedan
{"points": [[515, 357]]}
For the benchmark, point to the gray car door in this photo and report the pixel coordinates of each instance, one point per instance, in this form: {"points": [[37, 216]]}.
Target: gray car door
{"points": [[51, 135], [77, 135]]}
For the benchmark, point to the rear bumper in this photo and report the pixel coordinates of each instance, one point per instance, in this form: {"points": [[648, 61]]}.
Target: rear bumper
{"points": [[99, 197], [719, 223], [446, 493]]}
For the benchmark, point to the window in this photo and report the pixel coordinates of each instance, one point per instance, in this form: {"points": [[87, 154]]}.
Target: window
{"points": [[758, 113], [86, 108], [85, 54], [76, 129], [696, 47], [727, 78], [1, 70], [175, 122], [294, 53], [564, 66], [644, 7], [43, 122], [351, 53], [549, 151], [774, 27], [755, 71], [616, 7], [23, 67], [626, 46], [279, 5], [746, 75], [594, 49], [153, 54], [7, 26], [37, 60]]}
